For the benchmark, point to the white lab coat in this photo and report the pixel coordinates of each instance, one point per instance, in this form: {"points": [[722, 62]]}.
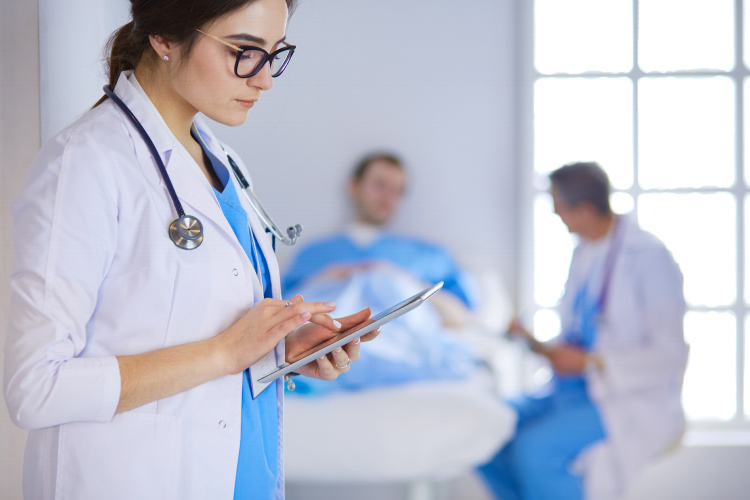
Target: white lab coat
{"points": [[640, 340], [97, 276]]}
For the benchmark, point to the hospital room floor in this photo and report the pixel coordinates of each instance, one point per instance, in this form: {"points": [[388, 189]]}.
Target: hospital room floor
{"points": [[466, 487]]}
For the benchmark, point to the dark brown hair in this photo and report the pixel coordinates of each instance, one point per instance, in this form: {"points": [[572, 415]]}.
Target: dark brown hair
{"points": [[173, 20], [364, 163]]}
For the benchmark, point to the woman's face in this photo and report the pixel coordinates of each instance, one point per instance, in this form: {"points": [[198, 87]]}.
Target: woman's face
{"points": [[206, 80]]}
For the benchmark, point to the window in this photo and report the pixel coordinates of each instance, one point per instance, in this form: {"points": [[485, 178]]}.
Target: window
{"points": [[658, 92]]}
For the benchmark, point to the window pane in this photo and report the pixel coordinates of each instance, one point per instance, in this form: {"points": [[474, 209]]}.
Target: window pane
{"points": [[553, 247], [585, 119], [686, 132], [546, 324], [677, 35], [699, 229], [622, 203], [710, 380], [575, 36]]}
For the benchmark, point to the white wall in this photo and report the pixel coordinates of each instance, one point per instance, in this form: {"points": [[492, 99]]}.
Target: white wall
{"points": [[19, 141], [431, 81], [72, 35]]}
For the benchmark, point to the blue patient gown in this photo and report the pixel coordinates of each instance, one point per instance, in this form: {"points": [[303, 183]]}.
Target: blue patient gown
{"points": [[414, 347], [257, 466], [428, 262], [552, 429]]}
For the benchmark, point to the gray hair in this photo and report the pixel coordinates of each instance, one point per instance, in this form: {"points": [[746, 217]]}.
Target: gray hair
{"points": [[583, 182]]}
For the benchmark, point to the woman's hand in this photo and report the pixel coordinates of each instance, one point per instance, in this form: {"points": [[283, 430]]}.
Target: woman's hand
{"points": [[258, 331], [320, 329]]}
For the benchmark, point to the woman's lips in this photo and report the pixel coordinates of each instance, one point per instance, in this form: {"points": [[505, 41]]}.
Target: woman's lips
{"points": [[246, 104]]}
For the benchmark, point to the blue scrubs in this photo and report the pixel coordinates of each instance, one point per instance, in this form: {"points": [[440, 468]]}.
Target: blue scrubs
{"points": [[428, 262], [257, 466], [552, 430]]}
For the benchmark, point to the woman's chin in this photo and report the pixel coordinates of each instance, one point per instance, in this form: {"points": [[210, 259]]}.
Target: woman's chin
{"points": [[231, 119]]}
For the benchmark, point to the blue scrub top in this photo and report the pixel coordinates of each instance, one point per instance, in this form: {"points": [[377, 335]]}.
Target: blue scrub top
{"points": [[257, 466]]}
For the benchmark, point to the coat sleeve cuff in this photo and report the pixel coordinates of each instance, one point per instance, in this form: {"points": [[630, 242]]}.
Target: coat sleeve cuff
{"points": [[94, 384]]}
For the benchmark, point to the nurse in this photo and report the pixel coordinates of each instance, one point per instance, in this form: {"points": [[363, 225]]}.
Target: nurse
{"points": [[614, 401], [131, 360]]}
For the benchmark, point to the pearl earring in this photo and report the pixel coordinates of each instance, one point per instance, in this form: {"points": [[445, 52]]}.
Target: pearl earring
{"points": [[166, 58]]}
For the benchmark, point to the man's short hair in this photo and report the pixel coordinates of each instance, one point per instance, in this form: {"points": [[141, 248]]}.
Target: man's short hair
{"points": [[364, 163], [582, 182]]}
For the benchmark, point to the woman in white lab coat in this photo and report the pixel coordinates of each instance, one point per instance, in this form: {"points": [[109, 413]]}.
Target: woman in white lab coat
{"points": [[130, 358]]}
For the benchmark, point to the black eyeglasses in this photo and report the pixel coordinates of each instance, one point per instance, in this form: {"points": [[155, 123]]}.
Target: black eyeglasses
{"points": [[250, 60]]}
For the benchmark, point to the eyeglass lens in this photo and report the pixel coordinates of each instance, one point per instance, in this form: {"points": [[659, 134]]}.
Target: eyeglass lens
{"points": [[252, 60]]}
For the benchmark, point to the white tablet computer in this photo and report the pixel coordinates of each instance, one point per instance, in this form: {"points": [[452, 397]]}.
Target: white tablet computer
{"points": [[349, 335]]}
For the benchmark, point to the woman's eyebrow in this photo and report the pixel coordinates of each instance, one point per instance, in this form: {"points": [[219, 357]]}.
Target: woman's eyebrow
{"points": [[244, 37]]}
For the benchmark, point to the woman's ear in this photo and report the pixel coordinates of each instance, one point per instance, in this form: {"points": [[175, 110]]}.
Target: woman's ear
{"points": [[163, 48]]}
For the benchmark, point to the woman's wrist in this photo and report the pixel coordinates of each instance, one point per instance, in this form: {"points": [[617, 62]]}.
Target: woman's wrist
{"points": [[220, 357]]}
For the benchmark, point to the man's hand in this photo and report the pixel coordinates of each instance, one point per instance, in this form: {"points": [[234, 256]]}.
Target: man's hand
{"points": [[566, 359]]}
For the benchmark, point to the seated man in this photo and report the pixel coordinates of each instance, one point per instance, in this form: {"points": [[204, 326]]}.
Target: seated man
{"points": [[366, 264], [618, 364]]}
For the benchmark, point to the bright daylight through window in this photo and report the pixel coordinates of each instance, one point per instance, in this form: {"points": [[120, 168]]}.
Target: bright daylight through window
{"points": [[657, 92]]}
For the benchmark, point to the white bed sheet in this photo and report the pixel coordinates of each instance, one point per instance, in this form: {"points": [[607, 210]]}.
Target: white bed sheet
{"points": [[426, 430]]}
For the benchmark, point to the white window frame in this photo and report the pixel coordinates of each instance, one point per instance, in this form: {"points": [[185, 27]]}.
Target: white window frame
{"points": [[527, 77]]}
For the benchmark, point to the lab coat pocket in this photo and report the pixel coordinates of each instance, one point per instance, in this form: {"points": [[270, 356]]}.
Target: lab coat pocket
{"points": [[136, 455]]}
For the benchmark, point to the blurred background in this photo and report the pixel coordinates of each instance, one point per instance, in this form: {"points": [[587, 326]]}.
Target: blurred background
{"points": [[481, 98]]}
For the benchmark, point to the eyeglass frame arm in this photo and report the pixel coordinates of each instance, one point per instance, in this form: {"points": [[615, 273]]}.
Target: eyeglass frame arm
{"points": [[244, 48]]}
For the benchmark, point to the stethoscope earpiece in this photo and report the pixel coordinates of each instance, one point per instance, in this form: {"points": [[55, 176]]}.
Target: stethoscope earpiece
{"points": [[293, 233], [186, 232]]}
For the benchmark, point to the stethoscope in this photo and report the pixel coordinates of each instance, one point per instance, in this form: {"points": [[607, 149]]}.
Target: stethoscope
{"points": [[186, 231]]}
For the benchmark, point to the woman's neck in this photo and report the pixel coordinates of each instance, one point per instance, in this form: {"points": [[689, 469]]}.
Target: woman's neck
{"points": [[176, 112]]}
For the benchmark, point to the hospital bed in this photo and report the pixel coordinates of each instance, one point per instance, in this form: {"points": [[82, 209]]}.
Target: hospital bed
{"points": [[420, 435], [414, 434]]}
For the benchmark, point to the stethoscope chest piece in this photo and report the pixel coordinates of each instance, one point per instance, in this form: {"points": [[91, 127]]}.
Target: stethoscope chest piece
{"points": [[186, 232]]}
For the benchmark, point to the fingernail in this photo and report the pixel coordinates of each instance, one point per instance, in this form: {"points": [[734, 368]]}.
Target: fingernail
{"points": [[330, 304], [305, 315], [338, 350], [337, 324], [322, 358], [356, 341]]}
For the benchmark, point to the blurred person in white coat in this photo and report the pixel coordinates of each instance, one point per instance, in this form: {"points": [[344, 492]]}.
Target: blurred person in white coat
{"points": [[132, 359], [614, 400]]}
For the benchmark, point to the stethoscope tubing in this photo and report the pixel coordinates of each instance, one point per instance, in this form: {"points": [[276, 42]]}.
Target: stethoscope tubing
{"points": [[157, 157], [185, 223]]}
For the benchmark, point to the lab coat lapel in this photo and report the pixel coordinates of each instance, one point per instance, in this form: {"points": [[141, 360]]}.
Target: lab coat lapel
{"points": [[192, 188]]}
